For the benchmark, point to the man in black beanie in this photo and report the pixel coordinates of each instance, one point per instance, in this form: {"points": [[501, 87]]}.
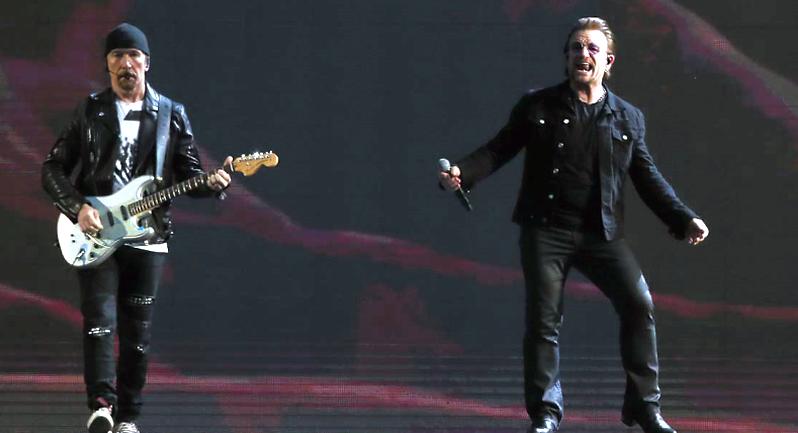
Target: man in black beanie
{"points": [[126, 131]]}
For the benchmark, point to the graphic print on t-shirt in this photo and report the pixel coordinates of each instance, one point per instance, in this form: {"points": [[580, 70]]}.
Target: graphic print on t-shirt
{"points": [[129, 116]]}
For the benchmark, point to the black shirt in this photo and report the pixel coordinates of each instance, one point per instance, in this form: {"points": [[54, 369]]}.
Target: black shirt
{"points": [[579, 204]]}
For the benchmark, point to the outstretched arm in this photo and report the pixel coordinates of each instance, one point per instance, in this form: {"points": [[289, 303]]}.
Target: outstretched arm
{"points": [[499, 150], [658, 194], [696, 231]]}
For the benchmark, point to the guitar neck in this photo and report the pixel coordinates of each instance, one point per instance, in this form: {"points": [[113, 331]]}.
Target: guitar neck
{"points": [[245, 164], [160, 197]]}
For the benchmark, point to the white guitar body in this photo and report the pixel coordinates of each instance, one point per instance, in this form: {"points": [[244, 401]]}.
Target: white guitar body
{"points": [[119, 226], [126, 215]]}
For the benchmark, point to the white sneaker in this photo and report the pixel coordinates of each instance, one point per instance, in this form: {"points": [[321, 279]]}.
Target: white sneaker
{"points": [[126, 427], [100, 421]]}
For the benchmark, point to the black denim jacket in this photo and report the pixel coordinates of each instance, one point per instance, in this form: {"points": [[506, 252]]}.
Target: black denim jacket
{"points": [[540, 123]]}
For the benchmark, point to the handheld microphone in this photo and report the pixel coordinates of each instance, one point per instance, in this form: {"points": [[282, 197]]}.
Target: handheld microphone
{"points": [[445, 166]]}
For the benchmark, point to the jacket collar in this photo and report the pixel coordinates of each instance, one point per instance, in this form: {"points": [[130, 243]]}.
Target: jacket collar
{"points": [[107, 98], [147, 129], [151, 100], [613, 103], [106, 109], [566, 97]]}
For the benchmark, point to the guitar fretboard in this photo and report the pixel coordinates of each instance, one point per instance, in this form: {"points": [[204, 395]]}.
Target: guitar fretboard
{"points": [[160, 197]]}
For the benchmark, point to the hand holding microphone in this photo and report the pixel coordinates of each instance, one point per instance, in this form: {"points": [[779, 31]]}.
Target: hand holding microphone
{"points": [[449, 177]]}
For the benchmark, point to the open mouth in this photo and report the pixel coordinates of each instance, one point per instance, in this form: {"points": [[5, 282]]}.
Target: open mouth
{"points": [[584, 67]]}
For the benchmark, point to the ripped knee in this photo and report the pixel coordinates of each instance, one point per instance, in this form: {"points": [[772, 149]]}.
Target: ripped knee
{"points": [[137, 307], [99, 331], [139, 300]]}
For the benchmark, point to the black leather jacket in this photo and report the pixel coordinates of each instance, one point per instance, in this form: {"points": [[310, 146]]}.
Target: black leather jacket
{"points": [[540, 123], [87, 150]]}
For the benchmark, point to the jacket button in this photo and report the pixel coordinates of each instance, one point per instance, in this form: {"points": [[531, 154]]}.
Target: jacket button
{"points": [[555, 170], [624, 137], [551, 196], [566, 121], [560, 145], [542, 121]]}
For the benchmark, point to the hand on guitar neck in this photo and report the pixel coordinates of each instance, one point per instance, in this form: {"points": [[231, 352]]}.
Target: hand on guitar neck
{"points": [[220, 178]]}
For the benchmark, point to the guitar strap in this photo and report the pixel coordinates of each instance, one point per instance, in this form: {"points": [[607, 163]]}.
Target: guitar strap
{"points": [[162, 133]]}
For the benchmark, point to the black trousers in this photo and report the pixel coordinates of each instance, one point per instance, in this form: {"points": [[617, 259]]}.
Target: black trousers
{"points": [[118, 297], [547, 254]]}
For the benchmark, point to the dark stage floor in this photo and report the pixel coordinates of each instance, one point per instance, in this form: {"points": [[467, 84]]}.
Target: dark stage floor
{"points": [[297, 388]]}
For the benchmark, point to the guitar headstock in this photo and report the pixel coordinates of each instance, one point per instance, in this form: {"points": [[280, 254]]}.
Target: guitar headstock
{"points": [[250, 163]]}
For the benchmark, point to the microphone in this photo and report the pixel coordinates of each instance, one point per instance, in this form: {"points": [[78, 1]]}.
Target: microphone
{"points": [[445, 166]]}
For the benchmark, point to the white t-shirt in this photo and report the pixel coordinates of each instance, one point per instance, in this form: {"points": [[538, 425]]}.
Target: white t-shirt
{"points": [[129, 115]]}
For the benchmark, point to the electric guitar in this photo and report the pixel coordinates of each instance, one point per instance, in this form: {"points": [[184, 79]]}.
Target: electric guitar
{"points": [[126, 215]]}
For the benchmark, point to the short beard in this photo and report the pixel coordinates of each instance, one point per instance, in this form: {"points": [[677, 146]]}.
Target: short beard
{"points": [[127, 85]]}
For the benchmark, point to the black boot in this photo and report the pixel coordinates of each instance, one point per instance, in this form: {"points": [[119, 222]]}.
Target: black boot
{"points": [[544, 424], [648, 417]]}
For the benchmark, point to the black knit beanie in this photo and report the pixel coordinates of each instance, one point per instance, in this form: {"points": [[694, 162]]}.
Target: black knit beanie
{"points": [[126, 36]]}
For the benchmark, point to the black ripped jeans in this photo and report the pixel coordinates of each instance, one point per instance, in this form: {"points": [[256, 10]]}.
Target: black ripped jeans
{"points": [[547, 254], [118, 297]]}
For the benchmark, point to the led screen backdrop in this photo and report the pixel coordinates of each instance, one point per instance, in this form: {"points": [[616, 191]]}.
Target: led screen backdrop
{"points": [[342, 291]]}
